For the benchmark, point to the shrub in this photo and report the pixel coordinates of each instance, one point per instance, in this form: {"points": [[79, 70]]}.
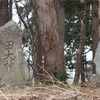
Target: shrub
{"points": [[63, 76]]}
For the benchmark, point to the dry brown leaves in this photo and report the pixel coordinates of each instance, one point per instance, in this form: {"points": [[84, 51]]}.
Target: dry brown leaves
{"points": [[50, 92]]}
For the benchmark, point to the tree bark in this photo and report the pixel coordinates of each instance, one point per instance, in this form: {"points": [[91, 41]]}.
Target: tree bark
{"points": [[10, 10], [99, 17], [82, 70], [3, 12], [51, 30], [79, 66], [39, 63], [95, 31]]}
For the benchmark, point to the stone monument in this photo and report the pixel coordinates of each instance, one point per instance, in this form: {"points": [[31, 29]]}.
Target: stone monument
{"points": [[13, 69], [96, 78], [97, 59]]}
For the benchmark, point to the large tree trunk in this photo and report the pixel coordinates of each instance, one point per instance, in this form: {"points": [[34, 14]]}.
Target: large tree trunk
{"points": [[79, 67], [3, 12], [51, 30], [39, 64], [99, 17], [95, 31]]}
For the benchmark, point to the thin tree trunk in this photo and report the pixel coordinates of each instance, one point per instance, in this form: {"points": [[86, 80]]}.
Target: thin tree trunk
{"points": [[78, 66], [3, 12], [82, 70], [51, 29], [10, 10], [95, 31]]}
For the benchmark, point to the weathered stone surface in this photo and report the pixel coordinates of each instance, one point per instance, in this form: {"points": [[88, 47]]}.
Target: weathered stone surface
{"points": [[96, 79], [97, 59], [13, 69]]}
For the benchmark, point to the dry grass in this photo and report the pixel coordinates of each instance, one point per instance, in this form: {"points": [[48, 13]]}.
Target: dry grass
{"points": [[50, 92], [55, 91]]}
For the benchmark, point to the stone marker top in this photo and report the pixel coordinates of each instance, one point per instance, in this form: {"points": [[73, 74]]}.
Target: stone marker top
{"points": [[11, 25]]}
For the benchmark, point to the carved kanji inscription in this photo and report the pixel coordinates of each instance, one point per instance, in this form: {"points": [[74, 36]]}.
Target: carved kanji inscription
{"points": [[9, 56]]}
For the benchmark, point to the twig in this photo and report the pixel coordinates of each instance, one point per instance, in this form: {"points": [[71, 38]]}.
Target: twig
{"points": [[48, 74], [40, 87], [4, 95], [59, 82], [79, 96]]}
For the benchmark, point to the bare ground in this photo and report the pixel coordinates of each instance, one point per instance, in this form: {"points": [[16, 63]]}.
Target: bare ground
{"points": [[84, 91]]}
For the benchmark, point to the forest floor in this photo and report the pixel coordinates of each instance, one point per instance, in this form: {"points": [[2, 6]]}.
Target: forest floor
{"points": [[61, 91]]}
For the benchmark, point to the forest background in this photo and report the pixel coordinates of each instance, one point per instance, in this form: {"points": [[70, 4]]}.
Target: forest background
{"points": [[56, 34]]}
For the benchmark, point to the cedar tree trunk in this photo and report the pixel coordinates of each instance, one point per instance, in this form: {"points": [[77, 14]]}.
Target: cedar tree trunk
{"points": [[95, 31], [79, 66], [51, 31]]}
